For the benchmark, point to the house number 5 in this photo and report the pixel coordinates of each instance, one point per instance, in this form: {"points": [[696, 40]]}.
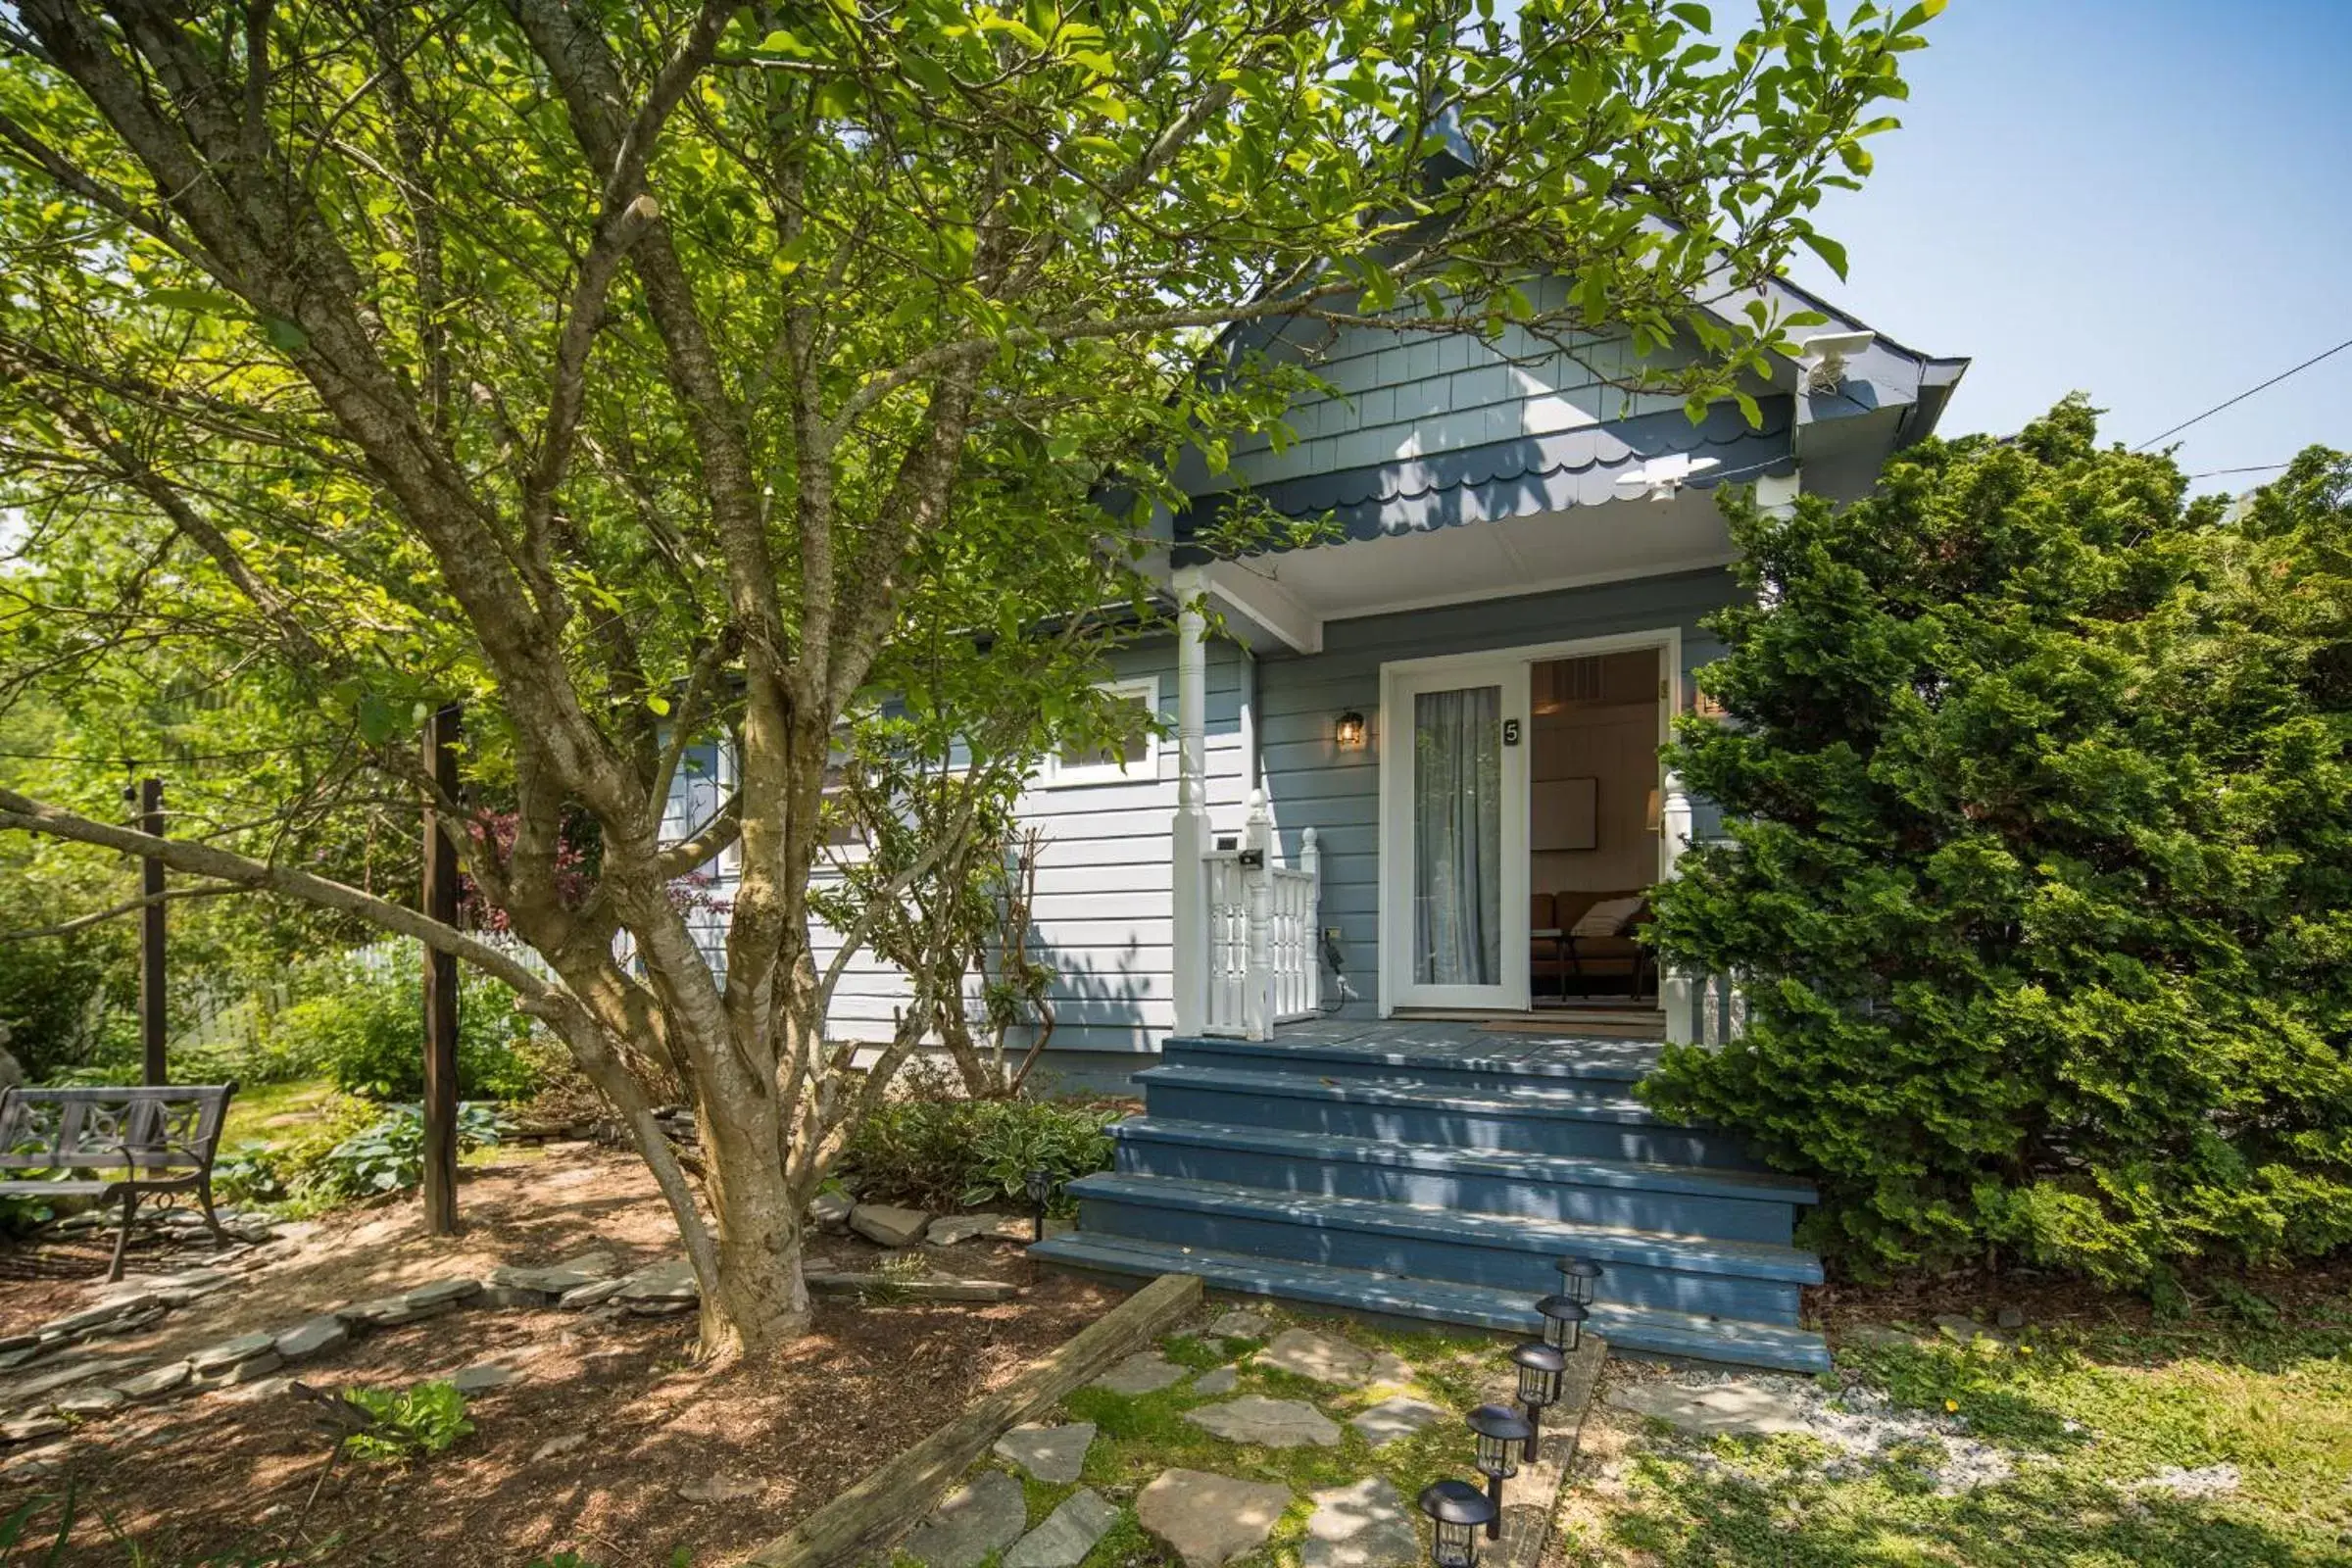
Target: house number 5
{"points": [[1510, 732]]}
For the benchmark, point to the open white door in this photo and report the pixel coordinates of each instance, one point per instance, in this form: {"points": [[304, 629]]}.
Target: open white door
{"points": [[1453, 835]]}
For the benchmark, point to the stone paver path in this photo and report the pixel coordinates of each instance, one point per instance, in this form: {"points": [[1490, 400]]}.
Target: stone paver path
{"points": [[1052, 1455], [1145, 1372], [1066, 1535], [1324, 1359], [1365, 1524], [1400, 1416], [1210, 1519], [1271, 1423], [985, 1517], [1242, 1325]]}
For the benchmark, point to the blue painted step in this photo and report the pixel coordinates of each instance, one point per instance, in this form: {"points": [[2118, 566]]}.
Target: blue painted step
{"points": [[1587, 1120], [1743, 1280], [1676, 1200], [1627, 1328], [1508, 1062]]}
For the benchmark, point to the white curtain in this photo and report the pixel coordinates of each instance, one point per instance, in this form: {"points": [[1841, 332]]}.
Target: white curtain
{"points": [[1457, 837]]}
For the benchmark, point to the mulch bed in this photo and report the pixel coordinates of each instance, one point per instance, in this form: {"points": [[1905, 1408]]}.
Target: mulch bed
{"points": [[2050, 1301], [226, 1474]]}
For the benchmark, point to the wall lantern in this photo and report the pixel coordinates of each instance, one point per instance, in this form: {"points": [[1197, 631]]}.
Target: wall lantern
{"points": [[1457, 1510], [1563, 1322], [1503, 1433], [1540, 1371], [1348, 732]]}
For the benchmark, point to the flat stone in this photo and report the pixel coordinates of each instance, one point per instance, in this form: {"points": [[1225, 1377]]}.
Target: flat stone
{"points": [[105, 1313], [1055, 1454], [390, 1311], [228, 1352], [313, 1336], [25, 1428], [2010, 1318], [831, 1211], [984, 1517], [559, 1445], [719, 1488], [1210, 1519], [1362, 1525], [1304, 1354], [887, 1225], [441, 1293], [1020, 1228], [1067, 1535], [270, 1388], [25, 1356], [664, 1308], [1242, 1325], [556, 1278], [1398, 1416], [588, 1296], [1269, 1423], [1145, 1372], [251, 1370], [153, 1385], [1736, 1409], [66, 1375], [483, 1376], [511, 1298], [953, 1230], [91, 1398], [663, 1282], [1875, 1334], [1219, 1380]]}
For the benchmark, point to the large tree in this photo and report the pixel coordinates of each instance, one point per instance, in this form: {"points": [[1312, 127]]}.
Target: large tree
{"points": [[629, 370]]}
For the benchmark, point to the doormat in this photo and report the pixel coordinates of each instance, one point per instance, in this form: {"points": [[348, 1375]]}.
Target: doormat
{"points": [[1613, 1028]]}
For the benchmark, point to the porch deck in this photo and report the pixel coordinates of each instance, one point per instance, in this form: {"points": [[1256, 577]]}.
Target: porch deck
{"points": [[1439, 1168]]}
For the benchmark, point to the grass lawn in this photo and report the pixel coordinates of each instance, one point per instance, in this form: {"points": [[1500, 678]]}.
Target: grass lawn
{"points": [[2218, 1442]]}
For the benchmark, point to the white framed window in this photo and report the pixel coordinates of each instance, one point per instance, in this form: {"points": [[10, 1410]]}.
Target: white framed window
{"points": [[1132, 755]]}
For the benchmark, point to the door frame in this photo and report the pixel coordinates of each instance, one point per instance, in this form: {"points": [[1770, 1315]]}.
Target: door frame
{"points": [[1514, 664]]}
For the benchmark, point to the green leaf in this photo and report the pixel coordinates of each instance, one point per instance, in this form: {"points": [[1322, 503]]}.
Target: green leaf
{"points": [[1828, 249], [285, 335]]}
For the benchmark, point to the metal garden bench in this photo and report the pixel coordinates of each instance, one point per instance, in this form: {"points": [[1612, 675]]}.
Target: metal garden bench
{"points": [[160, 1139]]}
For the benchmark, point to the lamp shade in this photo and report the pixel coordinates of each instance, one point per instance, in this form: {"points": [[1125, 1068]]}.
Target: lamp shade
{"points": [[1563, 1322], [1501, 1433], [1457, 1512]]}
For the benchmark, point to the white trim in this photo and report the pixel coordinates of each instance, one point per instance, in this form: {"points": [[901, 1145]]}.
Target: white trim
{"points": [[1266, 604], [1395, 848], [1141, 768], [1540, 585]]}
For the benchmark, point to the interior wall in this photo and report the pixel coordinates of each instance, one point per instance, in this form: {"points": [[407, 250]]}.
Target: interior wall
{"points": [[1598, 722]]}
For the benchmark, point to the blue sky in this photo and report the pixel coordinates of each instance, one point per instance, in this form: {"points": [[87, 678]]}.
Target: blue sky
{"points": [[2149, 202]]}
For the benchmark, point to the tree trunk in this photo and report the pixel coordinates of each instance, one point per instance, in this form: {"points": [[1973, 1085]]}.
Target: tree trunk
{"points": [[754, 1299]]}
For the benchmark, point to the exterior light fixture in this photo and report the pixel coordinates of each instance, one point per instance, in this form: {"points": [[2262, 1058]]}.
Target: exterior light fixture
{"points": [[1347, 733], [1503, 1433], [1457, 1510], [1539, 1370], [1563, 1322], [1579, 1278], [1038, 1183]]}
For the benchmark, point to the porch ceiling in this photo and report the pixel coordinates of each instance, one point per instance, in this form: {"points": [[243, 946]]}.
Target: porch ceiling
{"points": [[1495, 560]]}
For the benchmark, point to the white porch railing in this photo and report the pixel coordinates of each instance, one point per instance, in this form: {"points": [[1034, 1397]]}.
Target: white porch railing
{"points": [[1260, 942], [1701, 1008]]}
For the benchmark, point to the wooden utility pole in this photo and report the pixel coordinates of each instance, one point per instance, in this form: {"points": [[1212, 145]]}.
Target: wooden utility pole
{"points": [[441, 984], [148, 796]]}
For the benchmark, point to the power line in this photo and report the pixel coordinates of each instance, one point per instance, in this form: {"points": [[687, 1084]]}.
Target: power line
{"points": [[2248, 393], [2256, 467]]}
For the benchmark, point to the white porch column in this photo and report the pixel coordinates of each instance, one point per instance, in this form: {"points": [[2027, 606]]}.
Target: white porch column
{"points": [[1188, 835], [1678, 988], [1257, 882]]}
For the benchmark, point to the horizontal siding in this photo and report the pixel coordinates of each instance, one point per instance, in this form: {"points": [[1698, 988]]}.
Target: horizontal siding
{"points": [[1311, 782]]}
